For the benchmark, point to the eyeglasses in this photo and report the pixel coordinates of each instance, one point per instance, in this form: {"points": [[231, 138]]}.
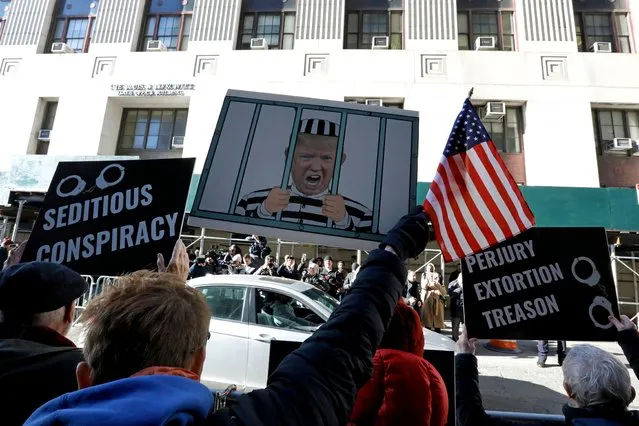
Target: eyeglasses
{"points": [[208, 336]]}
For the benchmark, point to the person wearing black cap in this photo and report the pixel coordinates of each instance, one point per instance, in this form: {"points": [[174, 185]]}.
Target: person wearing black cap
{"points": [[37, 363], [308, 200]]}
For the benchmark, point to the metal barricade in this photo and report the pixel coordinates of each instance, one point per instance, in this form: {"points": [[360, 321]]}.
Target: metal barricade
{"points": [[95, 288]]}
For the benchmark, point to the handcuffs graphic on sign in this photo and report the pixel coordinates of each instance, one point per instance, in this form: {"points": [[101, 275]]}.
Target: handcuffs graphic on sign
{"points": [[593, 281], [100, 182]]}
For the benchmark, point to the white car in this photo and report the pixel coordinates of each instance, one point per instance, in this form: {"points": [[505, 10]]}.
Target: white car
{"points": [[243, 324]]}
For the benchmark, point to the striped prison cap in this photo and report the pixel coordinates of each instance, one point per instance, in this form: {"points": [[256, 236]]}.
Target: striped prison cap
{"points": [[318, 126]]}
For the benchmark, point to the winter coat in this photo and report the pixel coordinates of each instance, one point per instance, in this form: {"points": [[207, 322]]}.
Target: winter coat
{"points": [[36, 365], [405, 388], [456, 294], [433, 311]]}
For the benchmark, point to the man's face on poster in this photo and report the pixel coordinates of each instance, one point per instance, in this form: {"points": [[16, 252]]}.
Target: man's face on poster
{"points": [[314, 163]]}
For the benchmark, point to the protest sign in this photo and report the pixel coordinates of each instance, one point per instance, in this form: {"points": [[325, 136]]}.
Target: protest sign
{"points": [[544, 284], [308, 170], [111, 217]]}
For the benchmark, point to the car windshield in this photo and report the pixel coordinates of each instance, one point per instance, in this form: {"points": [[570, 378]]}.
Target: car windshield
{"points": [[322, 298]]}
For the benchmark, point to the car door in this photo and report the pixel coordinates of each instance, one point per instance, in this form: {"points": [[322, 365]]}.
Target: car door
{"points": [[227, 349], [263, 330]]}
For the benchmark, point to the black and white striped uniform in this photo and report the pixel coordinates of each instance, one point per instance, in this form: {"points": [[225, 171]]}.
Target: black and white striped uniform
{"points": [[307, 210]]}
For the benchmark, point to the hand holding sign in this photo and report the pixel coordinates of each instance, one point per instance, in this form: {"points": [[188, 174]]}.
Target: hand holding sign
{"points": [[464, 344], [277, 200], [624, 323]]}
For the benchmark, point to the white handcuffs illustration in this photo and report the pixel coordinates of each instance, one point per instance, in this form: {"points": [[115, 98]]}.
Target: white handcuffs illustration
{"points": [[592, 281], [100, 182]]}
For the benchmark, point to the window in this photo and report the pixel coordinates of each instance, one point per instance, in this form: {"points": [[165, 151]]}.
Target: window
{"points": [[278, 29], [610, 28], [50, 109], [362, 26], [152, 129], [506, 133], [4, 9], [168, 21], [497, 24], [615, 123], [281, 311], [385, 102], [226, 303], [75, 23]]}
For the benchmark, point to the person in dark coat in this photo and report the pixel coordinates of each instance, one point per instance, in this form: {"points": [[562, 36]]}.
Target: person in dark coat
{"points": [[289, 269], [199, 268], [413, 293], [259, 248], [313, 386], [37, 361], [597, 383], [456, 293]]}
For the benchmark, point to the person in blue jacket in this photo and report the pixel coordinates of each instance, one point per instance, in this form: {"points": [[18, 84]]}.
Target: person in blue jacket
{"points": [[313, 386]]}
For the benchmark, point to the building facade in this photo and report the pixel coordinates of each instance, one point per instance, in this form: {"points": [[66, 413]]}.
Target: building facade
{"points": [[147, 78]]}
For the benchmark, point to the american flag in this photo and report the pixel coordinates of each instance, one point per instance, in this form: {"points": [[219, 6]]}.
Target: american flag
{"points": [[473, 200]]}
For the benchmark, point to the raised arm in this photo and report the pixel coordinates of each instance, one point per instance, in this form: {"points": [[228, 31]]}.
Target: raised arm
{"points": [[316, 384], [628, 339]]}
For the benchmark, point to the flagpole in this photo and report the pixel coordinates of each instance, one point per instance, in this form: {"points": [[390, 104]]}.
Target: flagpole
{"points": [[470, 92]]}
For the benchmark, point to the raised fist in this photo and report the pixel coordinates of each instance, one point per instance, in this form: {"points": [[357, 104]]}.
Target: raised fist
{"points": [[277, 200]]}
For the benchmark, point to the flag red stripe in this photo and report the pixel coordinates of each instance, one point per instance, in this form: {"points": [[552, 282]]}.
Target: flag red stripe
{"points": [[490, 167], [459, 217], [444, 219], [437, 225], [488, 233], [486, 196], [513, 185]]}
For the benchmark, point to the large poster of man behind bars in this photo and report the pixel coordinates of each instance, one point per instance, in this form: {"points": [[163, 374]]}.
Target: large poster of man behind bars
{"points": [[308, 170]]}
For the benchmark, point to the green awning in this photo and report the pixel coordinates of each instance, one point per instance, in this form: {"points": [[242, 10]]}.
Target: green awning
{"points": [[616, 209]]}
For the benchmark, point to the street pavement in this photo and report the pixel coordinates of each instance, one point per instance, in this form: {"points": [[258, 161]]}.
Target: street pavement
{"points": [[514, 382]]}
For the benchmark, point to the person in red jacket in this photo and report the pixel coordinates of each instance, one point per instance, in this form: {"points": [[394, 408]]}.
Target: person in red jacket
{"points": [[405, 389]]}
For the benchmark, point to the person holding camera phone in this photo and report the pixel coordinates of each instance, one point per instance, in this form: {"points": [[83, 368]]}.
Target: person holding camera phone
{"points": [[269, 267]]}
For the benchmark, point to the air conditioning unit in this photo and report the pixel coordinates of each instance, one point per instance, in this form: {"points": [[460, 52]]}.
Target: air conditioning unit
{"points": [[259, 44], [620, 144], [44, 135], [177, 142], [485, 43], [374, 102], [495, 111], [601, 47], [61, 48], [155, 46], [379, 42]]}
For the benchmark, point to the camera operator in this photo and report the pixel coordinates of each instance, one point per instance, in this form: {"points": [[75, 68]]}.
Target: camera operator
{"points": [[269, 267]]}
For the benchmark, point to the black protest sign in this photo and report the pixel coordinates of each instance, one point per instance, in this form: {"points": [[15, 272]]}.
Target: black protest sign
{"points": [[544, 284], [111, 217]]}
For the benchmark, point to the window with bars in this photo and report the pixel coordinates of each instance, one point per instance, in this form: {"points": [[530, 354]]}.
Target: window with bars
{"points": [[168, 21], [610, 28], [277, 28], [507, 133], [498, 24], [151, 129], [74, 24], [614, 123], [362, 26], [4, 9]]}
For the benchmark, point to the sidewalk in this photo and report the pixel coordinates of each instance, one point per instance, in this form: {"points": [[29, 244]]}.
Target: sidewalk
{"points": [[515, 383]]}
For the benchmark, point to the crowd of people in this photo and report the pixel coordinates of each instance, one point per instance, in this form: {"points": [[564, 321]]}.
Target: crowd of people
{"points": [[146, 338], [323, 273]]}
